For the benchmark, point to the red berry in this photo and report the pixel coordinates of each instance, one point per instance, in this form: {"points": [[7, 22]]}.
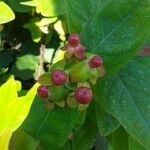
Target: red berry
{"points": [[59, 77], [95, 62], [43, 91], [74, 39], [83, 95]]}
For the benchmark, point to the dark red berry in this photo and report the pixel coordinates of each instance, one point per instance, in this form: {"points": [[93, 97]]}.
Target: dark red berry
{"points": [[95, 62], [83, 95], [43, 91], [73, 39], [59, 77]]}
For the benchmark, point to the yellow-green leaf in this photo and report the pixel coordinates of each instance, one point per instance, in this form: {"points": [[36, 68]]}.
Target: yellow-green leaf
{"points": [[13, 110], [6, 14]]}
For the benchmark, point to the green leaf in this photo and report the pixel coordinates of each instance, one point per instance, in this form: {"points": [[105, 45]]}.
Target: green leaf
{"points": [[113, 29], [121, 139], [37, 27], [57, 65], [3, 70], [118, 140], [4, 140], [20, 140], [45, 145], [67, 146], [106, 123], [46, 21], [148, 41], [84, 137], [52, 127], [126, 97], [134, 145], [101, 143], [36, 33], [30, 3], [25, 66], [6, 14], [16, 6], [50, 8]]}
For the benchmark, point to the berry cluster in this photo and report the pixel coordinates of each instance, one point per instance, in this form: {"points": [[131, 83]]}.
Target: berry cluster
{"points": [[74, 47], [68, 81]]}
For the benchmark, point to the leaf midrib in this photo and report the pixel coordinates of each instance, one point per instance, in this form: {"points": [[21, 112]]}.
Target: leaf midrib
{"points": [[140, 114], [42, 123], [122, 21], [142, 118]]}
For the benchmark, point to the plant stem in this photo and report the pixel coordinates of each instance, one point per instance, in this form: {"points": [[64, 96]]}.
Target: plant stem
{"points": [[40, 69]]}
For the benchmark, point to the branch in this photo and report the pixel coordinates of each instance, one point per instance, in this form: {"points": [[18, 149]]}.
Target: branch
{"points": [[40, 69]]}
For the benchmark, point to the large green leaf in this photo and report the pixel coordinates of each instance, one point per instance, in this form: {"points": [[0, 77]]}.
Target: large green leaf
{"points": [[14, 109], [118, 140], [20, 140], [121, 139], [126, 97], [46, 146], [84, 137], [134, 145], [148, 41], [105, 122], [6, 14], [113, 29], [50, 127]]}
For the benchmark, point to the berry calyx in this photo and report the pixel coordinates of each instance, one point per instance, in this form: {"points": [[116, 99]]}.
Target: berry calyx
{"points": [[79, 52], [73, 39], [43, 91], [59, 77], [83, 95], [95, 62]]}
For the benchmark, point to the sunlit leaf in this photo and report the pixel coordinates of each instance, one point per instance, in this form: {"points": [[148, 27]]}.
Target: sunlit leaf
{"points": [[6, 14], [13, 109], [25, 66]]}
